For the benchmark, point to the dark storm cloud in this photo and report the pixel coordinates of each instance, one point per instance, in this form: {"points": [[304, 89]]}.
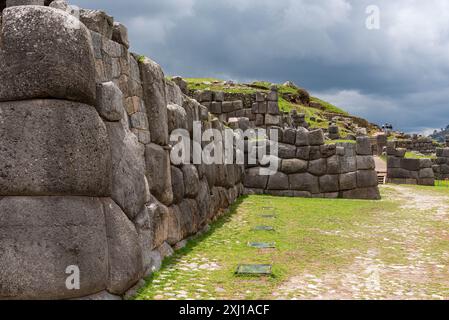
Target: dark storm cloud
{"points": [[398, 74]]}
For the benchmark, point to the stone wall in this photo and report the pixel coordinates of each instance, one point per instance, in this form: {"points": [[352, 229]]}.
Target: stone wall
{"points": [[261, 109], [310, 168], [87, 179], [441, 164], [407, 171]]}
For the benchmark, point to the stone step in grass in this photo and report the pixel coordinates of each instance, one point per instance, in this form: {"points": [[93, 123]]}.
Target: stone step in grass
{"points": [[262, 245], [268, 216], [254, 269], [264, 228]]}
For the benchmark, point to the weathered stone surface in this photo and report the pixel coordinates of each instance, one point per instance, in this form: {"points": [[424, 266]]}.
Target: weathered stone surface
{"points": [[400, 173], [286, 151], [273, 107], [371, 193], [125, 257], [410, 164], [348, 181], [365, 163], [393, 162], [109, 101], [303, 153], [304, 182], [289, 136], [348, 164], [98, 21], [177, 117], [254, 180], [36, 63], [177, 184], [159, 173], [173, 93], [366, 178], [291, 166], [318, 167], [13, 3], [272, 120], [154, 96], [278, 181], [426, 173], [120, 34], [302, 137], [191, 180], [363, 147], [316, 137], [53, 147], [204, 201], [41, 236], [130, 188], [329, 183], [333, 165], [328, 150]]}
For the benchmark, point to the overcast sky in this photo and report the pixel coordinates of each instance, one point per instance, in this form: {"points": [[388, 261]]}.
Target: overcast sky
{"points": [[398, 73]]}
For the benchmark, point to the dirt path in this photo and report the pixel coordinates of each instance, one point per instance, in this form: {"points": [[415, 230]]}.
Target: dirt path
{"points": [[407, 258]]}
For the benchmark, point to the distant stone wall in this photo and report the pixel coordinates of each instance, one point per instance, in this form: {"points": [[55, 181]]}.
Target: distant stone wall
{"points": [[407, 171], [422, 145], [441, 165], [310, 168], [261, 109]]}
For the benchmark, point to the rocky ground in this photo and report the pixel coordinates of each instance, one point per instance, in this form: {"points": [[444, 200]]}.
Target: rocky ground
{"points": [[397, 248]]}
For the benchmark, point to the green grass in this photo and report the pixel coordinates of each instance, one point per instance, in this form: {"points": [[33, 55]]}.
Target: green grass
{"points": [[413, 155], [328, 107]]}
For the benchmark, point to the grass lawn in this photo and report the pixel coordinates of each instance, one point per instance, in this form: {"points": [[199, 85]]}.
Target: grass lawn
{"points": [[336, 249]]}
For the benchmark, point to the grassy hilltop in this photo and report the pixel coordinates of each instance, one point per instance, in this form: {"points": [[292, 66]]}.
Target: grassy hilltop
{"points": [[318, 112]]}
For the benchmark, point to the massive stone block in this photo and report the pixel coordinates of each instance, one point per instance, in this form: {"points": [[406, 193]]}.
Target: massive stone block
{"points": [[154, 96], [177, 179], [304, 182], [177, 117], [191, 180], [363, 147], [348, 181], [130, 189], [159, 173], [109, 101], [98, 21], [366, 178], [125, 256], [278, 181], [371, 193], [316, 137], [291, 166], [53, 147], [39, 63], [365, 163], [318, 167], [42, 236], [329, 183], [253, 179]]}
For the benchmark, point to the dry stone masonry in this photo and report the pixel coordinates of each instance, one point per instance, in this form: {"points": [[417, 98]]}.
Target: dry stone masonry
{"points": [[441, 165], [311, 168], [86, 177], [401, 170]]}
